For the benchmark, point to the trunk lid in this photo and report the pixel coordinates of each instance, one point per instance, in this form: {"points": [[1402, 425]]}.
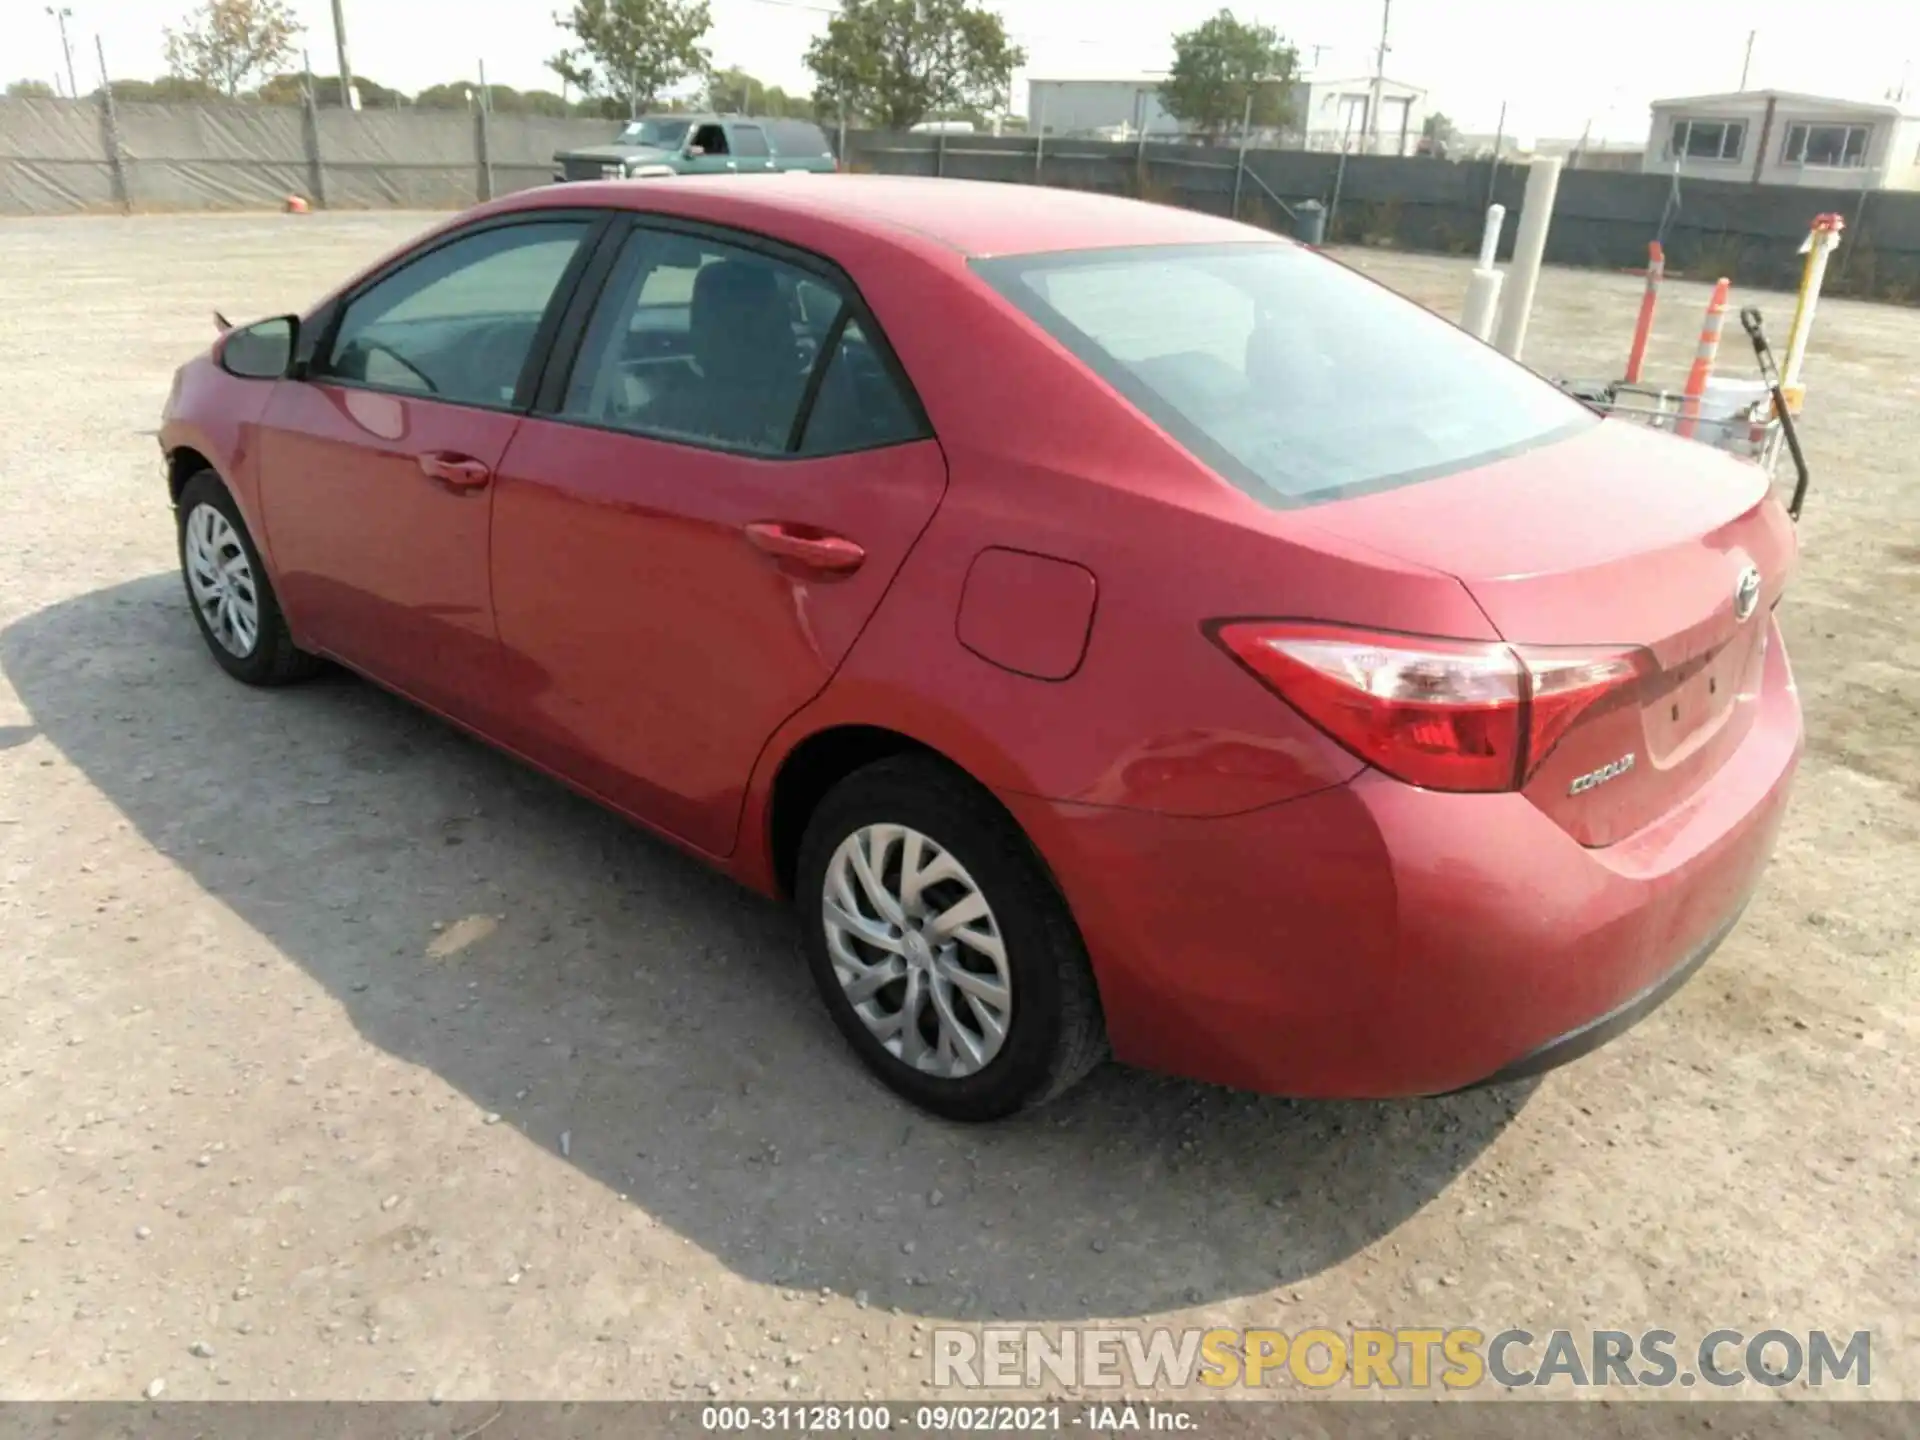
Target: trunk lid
{"points": [[1619, 538]]}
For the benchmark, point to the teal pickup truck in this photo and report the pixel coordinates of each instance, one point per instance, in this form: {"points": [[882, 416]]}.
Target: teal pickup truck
{"points": [[663, 145]]}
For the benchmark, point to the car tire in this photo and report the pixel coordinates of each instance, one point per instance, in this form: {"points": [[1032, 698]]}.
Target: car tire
{"points": [[950, 1056], [210, 528]]}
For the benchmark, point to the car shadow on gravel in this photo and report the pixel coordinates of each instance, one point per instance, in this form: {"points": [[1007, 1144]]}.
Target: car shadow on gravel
{"points": [[625, 1007]]}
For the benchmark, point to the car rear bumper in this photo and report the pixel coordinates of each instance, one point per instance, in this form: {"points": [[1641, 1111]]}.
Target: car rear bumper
{"points": [[1375, 940], [1584, 1039]]}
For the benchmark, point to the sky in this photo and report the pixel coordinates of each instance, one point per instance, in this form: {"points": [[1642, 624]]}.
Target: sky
{"points": [[1559, 66]]}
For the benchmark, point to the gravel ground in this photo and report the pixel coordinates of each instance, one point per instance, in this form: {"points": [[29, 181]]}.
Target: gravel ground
{"points": [[346, 1058]]}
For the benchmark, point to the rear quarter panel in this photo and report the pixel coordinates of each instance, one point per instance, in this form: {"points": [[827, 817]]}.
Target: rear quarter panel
{"points": [[1043, 458]]}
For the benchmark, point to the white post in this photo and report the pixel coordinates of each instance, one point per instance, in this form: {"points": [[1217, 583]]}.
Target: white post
{"points": [[1483, 285], [1529, 245], [1483, 300], [1490, 236]]}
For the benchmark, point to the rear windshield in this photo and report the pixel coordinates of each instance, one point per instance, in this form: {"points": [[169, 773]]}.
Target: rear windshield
{"points": [[1294, 378], [797, 137]]}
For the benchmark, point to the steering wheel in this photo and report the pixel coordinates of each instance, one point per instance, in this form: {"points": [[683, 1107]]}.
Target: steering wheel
{"points": [[367, 347]]}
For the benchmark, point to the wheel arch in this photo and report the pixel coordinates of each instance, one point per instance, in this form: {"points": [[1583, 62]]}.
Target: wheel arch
{"points": [[183, 463], [808, 771], [809, 759]]}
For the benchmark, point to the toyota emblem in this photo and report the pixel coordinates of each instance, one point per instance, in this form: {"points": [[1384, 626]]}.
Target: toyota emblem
{"points": [[1746, 593]]}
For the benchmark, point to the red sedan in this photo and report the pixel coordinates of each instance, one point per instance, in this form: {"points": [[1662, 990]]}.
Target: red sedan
{"points": [[1113, 628]]}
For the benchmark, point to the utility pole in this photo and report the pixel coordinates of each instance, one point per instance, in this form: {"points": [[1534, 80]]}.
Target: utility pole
{"points": [[61, 16], [1379, 79], [1746, 64], [340, 49]]}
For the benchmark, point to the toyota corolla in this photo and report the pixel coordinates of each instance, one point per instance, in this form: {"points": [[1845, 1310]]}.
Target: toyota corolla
{"points": [[1115, 630]]}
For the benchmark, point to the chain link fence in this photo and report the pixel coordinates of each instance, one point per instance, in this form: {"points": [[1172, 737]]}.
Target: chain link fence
{"points": [[60, 156]]}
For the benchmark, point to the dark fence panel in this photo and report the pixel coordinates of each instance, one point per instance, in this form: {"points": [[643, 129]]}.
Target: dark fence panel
{"points": [[60, 155], [1602, 219]]}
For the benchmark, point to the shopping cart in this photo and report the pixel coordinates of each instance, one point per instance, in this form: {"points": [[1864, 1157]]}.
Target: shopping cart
{"points": [[1750, 419]]}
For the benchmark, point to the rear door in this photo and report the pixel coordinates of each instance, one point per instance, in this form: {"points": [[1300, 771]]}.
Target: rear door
{"points": [[697, 521], [751, 153], [800, 146], [376, 466]]}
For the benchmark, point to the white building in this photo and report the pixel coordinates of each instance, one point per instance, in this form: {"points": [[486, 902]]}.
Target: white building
{"points": [[1775, 137], [1096, 107], [1330, 113], [1327, 112]]}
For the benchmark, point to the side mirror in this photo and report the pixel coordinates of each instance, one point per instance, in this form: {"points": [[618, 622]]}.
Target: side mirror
{"points": [[262, 350]]}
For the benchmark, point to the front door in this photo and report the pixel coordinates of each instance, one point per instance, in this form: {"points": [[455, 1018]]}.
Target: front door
{"points": [[708, 152], [684, 546], [376, 468]]}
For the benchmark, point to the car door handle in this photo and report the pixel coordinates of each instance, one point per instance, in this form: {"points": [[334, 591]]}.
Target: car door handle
{"points": [[834, 554], [456, 472]]}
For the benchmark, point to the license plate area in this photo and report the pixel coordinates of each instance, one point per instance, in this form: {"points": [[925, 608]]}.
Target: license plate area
{"points": [[1697, 698]]}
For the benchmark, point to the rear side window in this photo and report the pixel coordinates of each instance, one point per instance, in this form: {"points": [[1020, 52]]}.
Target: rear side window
{"points": [[698, 341], [1292, 377], [458, 323], [798, 137], [749, 140], [859, 405], [703, 342]]}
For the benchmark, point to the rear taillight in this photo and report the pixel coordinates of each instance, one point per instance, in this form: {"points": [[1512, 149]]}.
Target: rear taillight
{"points": [[1442, 714]]}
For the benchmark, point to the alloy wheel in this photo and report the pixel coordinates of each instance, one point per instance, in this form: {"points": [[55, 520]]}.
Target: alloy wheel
{"points": [[917, 951], [221, 579]]}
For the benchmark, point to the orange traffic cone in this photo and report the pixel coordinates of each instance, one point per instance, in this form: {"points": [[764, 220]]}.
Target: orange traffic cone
{"points": [[296, 205]]}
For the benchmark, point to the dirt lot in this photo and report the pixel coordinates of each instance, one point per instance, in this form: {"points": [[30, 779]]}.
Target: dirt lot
{"points": [[346, 1058]]}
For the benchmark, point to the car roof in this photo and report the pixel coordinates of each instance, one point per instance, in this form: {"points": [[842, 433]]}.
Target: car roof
{"points": [[973, 217]]}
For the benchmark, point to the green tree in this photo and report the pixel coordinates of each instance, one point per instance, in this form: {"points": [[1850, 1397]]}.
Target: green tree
{"points": [[455, 95], [231, 44], [1438, 133], [168, 88], [1218, 64], [734, 89], [631, 50], [287, 89], [505, 100], [900, 60], [30, 90]]}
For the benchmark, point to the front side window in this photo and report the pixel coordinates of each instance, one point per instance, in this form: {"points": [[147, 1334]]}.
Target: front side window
{"points": [[458, 323], [749, 140], [1707, 140], [1830, 146], [711, 139], [703, 342], [1290, 376]]}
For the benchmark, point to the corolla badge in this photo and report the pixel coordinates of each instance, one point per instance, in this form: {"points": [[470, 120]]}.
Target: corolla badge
{"points": [[1605, 773], [1746, 593]]}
